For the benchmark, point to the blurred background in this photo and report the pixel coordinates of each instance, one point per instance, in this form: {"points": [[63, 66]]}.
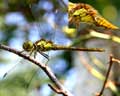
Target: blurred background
{"points": [[35, 19]]}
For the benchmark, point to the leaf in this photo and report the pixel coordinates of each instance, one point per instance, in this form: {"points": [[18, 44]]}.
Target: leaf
{"points": [[85, 13]]}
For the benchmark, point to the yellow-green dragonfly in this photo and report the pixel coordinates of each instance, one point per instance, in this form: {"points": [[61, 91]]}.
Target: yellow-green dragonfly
{"points": [[43, 45]]}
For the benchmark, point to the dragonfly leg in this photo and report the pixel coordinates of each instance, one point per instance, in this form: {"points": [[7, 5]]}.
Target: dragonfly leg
{"points": [[45, 55], [31, 53], [35, 53]]}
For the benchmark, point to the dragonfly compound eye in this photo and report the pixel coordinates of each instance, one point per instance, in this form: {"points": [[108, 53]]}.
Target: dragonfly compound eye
{"points": [[28, 46]]}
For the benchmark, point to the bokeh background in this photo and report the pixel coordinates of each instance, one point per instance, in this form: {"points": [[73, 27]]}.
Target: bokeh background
{"points": [[35, 19]]}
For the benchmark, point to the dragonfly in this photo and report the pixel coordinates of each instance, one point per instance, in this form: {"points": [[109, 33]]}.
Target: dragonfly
{"points": [[80, 12], [43, 45]]}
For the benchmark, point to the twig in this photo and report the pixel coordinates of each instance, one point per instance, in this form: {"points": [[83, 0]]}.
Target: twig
{"points": [[98, 75], [116, 60], [104, 36], [107, 75], [44, 67], [55, 89], [94, 34]]}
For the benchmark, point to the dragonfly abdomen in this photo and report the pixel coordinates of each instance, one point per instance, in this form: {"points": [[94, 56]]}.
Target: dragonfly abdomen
{"points": [[76, 49]]}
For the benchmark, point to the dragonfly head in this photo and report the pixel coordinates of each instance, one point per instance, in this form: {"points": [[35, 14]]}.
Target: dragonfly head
{"points": [[28, 46]]}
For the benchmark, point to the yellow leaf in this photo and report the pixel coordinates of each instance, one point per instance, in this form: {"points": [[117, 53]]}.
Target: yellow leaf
{"points": [[80, 12]]}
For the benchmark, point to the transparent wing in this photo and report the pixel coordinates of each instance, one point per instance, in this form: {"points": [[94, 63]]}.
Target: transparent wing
{"points": [[18, 73], [44, 31]]}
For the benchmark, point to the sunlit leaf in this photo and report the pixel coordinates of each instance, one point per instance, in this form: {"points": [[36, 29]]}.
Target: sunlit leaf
{"points": [[81, 12]]}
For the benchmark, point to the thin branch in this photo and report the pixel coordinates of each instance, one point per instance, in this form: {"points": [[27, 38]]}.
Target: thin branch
{"points": [[97, 74], [44, 67], [55, 89], [107, 75], [94, 34], [104, 36], [116, 60]]}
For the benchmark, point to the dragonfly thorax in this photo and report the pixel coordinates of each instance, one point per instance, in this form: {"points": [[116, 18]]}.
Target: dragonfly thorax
{"points": [[43, 45], [28, 46]]}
